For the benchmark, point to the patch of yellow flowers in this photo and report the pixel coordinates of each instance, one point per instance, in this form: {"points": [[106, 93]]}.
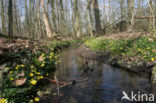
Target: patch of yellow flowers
{"points": [[36, 99], [3, 100]]}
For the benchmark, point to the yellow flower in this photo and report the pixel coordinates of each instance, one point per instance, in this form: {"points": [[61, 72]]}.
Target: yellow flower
{"points": [[47, 74], [36, 99], [43, 55], [31, 101], [31, 74], [16, 68], [51, 54], [50, 57], [22, 65], [11, 72], [42, 65], [11, 78], [40, 77], [152, 59], [121, 48], [31, 67], [148, 48], [33, 82], [38, 73], [3, 100], [139, 49]]}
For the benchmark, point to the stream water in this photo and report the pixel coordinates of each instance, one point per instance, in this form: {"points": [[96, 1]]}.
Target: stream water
{"points": [[105, 84]]}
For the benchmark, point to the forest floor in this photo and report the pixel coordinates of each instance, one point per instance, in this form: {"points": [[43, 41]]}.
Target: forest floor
{"points": [[25, 65], [23, 61], [133, 51]]}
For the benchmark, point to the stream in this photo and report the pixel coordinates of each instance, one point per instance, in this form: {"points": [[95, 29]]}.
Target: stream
{"points": [[104, 83]]}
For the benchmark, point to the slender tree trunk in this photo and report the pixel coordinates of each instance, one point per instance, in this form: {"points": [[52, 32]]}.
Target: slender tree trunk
{"points": [[62, 9], [16, 18], [45, 19], [77, 21], [90, 17], [72, 16], [131, 15], [109, 12], [39, 26], [139, 8], [30, 19], [152, 15], [27, 17], [10, 16], [53, 13], [3, 18], [58, 16], [122, 8], [97, 18]]}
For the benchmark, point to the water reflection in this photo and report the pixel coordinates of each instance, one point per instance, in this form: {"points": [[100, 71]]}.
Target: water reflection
{"points": [[105, 84]]}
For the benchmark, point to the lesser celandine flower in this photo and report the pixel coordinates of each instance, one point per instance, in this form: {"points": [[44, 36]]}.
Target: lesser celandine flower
{"points": [[42, 65], [33, 82], [11, 72], [36, 99], [152, 59], [31, 74], [11, 78], [32, 67], [42, 54], [22, 65], [3, 100], [31, 101], [39, 77]]}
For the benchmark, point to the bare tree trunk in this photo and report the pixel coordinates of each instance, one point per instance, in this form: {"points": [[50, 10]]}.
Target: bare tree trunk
{"points": [[122, 8], [73, 22], [77, 17], [139, 8], [131, 15], [39, 26], [16, 19], [109, 12], [58, 15], [27, 17], [152, 15], [3, 18], [10, 24], [97, 18], [53, 13], [62, 9], [46, 21], [90, 17]]}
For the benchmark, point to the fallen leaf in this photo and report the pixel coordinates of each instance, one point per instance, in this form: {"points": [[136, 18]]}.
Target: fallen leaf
{"points": [[19, 82]]}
